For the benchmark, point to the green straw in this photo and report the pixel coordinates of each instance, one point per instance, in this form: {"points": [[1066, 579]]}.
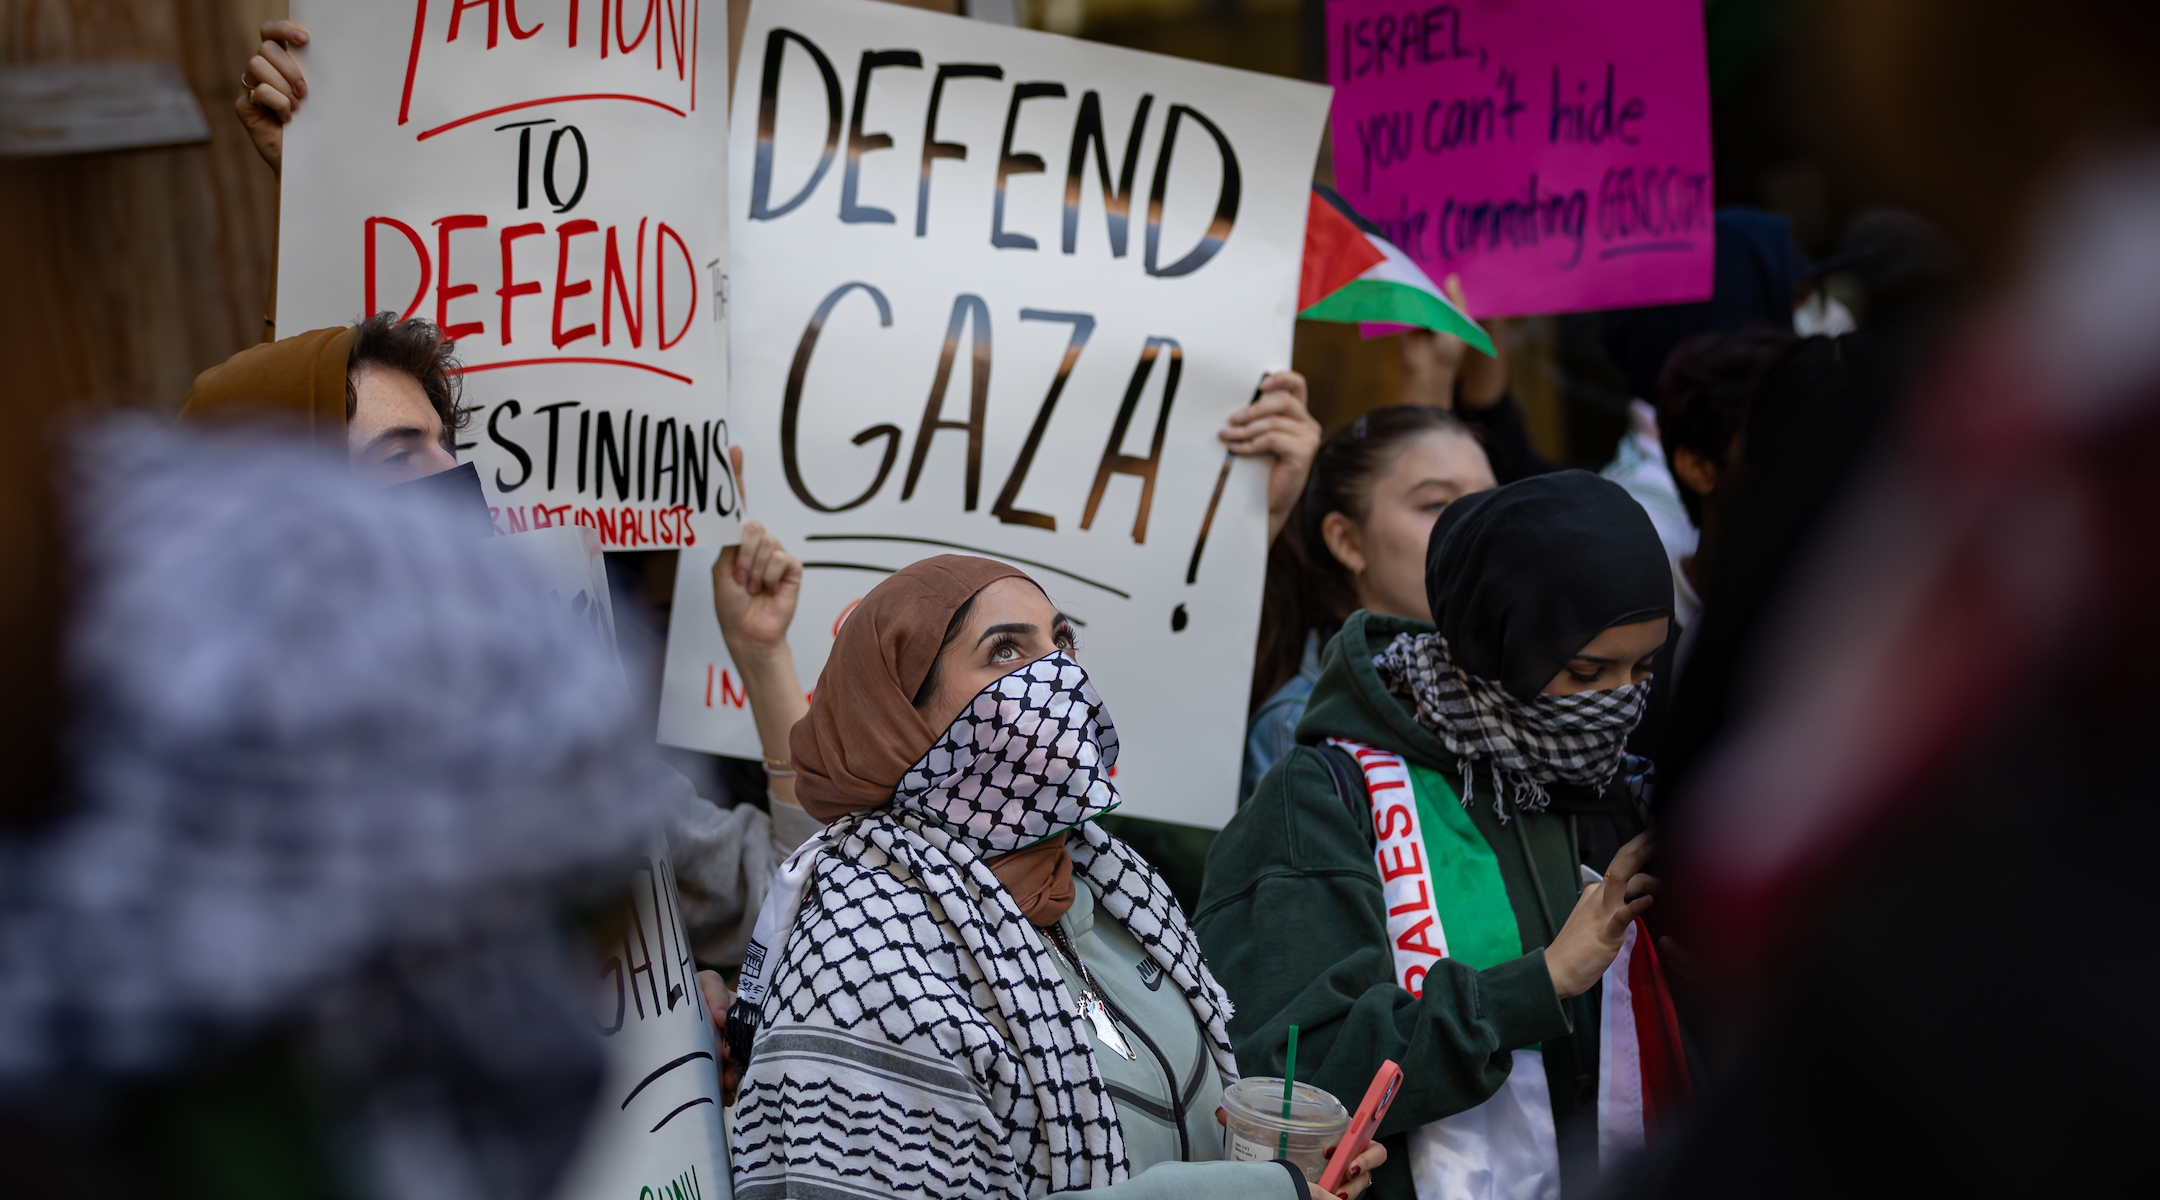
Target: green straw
{"points": [[1289, 1077]]}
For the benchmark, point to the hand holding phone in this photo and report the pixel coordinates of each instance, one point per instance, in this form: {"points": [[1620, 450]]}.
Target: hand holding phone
{"points": [[1362, 1126]]}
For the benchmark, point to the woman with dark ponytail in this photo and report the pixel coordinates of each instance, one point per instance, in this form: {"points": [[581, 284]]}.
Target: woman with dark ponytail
{"points": [[1355, 540]]}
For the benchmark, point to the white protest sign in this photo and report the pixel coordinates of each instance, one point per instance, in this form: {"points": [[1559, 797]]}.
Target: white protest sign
{"points": [[543, 180], [655, 1129], [703, 705], [569, 561], [996, 291], [654, 1133]]}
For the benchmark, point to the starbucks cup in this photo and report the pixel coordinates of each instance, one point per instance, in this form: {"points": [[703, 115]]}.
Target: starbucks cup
{"points": [[1253, 1125]]}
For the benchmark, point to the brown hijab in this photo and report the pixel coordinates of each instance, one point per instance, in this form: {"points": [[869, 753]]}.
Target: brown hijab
{"points": [[862, 732], [301, 376]]}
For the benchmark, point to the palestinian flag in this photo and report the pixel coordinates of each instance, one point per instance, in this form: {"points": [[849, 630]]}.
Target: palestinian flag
{"points": [[1445, 898], [1355, 276]]}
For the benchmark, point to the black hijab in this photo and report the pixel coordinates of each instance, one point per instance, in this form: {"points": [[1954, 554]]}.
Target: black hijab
{"points": [[1522, 577]]}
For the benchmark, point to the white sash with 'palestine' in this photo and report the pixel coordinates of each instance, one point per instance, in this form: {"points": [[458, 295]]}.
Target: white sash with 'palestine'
{"points": [[1505, 1148]]}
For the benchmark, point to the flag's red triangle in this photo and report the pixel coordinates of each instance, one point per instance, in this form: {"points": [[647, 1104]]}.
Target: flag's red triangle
{"points": [[1667, 1090], [1336, 252]]}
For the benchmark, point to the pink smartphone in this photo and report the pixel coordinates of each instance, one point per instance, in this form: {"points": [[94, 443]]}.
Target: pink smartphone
{"points": [[1369, 1112]]}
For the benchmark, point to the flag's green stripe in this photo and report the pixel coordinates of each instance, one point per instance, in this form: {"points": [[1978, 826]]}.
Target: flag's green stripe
{"points": [[1469, 894], [1375, 300]]}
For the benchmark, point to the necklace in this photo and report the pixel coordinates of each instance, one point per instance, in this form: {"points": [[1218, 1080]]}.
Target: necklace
{"points": [[1092, 1003]]}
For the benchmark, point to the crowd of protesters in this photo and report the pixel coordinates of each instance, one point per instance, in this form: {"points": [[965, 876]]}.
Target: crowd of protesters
{"points": [[1780, 783]]}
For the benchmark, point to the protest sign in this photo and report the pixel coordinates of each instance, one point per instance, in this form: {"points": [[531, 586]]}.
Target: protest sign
{"points": [[655, 1130], [544, 181], [570, 564], [703, 704], [655, 1125], [1553, 153], [996, 292]]}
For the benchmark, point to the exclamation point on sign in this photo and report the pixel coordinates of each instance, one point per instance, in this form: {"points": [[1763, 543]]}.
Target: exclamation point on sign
{"points": [[1178, 619]]}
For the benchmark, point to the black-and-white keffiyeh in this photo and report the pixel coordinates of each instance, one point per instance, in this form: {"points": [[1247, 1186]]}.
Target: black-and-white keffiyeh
{"points": [[1525, 743], [913, 1035]]}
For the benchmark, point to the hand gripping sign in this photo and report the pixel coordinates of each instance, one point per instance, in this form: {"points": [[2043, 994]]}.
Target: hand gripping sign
{"points": [[996, 292], [543, 180]]}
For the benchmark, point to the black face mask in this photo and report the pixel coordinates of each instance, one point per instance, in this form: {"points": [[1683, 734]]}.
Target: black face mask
{"points": [[1521, 578], [459, 490]]}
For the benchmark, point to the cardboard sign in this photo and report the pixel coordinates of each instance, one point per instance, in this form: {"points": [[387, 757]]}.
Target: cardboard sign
{"points": [[543, 180], [997, 291], [1553, 153], [655, 1129]]}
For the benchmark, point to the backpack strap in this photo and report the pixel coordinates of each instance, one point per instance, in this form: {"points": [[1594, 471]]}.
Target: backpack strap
{"points": [[1349, 785]]}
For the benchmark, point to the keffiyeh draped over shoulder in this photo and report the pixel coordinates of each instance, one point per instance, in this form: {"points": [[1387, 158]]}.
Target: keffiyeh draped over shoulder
{"points": [[913, 1034]]}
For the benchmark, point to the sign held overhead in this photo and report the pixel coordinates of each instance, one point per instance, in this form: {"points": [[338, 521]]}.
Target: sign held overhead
{"points": [[1553, 153], [543, 181], [997, 291]]}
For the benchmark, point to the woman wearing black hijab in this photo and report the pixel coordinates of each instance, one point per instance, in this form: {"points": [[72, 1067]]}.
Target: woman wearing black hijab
{"points": [[1415, 881]]}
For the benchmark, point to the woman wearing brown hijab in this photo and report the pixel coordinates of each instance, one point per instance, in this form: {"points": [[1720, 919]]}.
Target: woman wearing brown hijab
{"points": [[957, 989], [383, 392]]}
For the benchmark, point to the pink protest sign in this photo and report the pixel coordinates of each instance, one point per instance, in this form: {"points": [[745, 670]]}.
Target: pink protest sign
{"points": [[1553, 153]]}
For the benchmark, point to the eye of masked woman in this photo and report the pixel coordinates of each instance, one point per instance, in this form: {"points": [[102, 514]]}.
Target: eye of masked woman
{"points": [[1008, 624]]}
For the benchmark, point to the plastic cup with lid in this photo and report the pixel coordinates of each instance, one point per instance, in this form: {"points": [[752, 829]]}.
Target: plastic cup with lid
{"points": [[1253, 1126]]}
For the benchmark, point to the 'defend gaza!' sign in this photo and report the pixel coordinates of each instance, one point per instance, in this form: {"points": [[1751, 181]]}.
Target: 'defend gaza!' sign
{"points": [[544, 179], [996, 291], [1553, 153]]}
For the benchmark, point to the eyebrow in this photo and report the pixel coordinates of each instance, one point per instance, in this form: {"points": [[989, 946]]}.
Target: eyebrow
{"points": [[1008, 627], [402, 431], [1611, 662], [1457, 483]]}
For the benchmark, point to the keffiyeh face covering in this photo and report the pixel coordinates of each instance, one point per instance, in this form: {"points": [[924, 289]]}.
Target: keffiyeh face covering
{"points": [[1030, 756], [917, 1036], [1526, 743]]}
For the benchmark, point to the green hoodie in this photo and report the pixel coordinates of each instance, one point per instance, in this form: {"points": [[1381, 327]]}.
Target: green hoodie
{"points": [[1293, 923]]}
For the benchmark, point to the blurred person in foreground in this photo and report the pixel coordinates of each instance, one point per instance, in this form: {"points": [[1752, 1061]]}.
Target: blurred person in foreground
{"points": [[295, 920], [1913, 871], [386, 394]]}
